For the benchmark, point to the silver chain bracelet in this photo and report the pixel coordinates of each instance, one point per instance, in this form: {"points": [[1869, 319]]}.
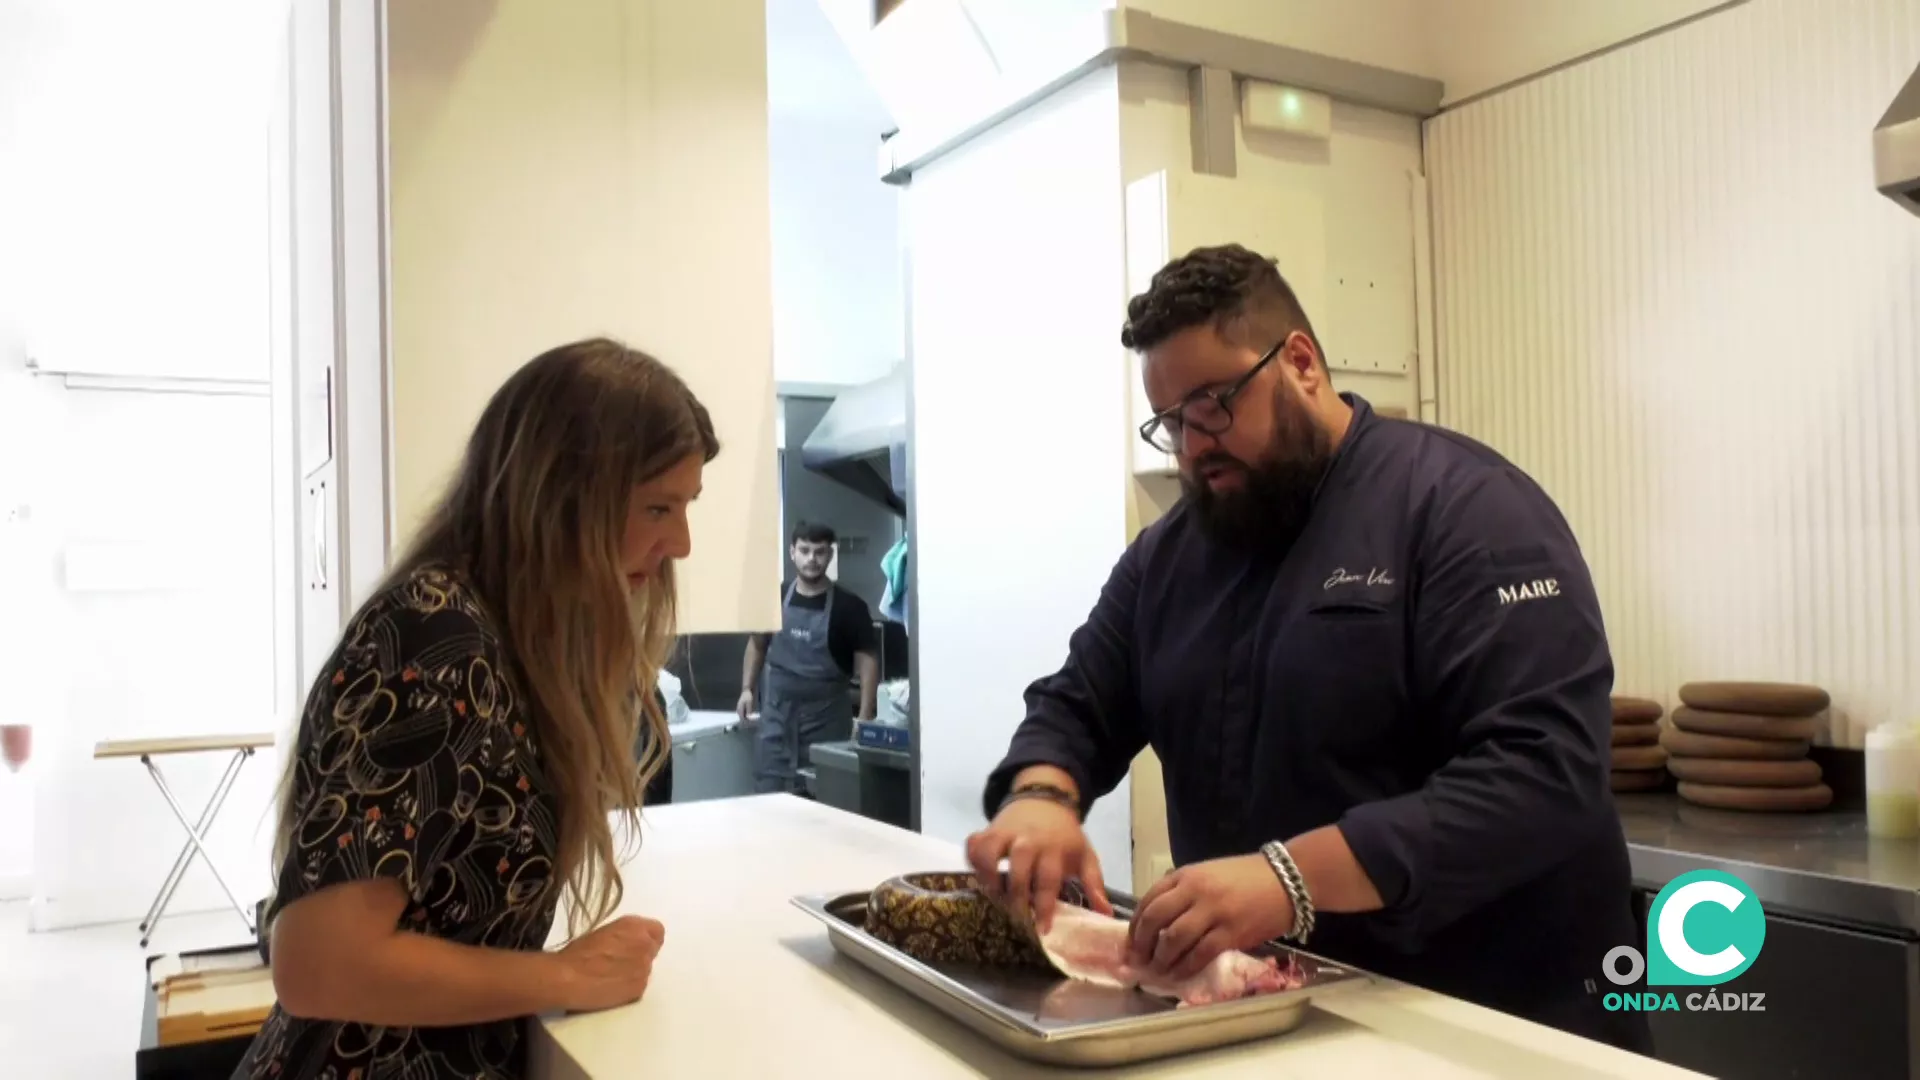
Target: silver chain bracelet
{"points": [[1296, 886]]}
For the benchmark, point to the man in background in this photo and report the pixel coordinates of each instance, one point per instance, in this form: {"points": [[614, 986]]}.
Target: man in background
{"points": [[826, 639]]}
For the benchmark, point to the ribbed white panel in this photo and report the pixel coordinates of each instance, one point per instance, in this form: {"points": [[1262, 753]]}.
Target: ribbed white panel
{"points": [[1667, 288]]}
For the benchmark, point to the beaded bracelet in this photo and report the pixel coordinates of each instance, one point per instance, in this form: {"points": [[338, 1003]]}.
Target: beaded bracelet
{"points": [[1296, 886]]}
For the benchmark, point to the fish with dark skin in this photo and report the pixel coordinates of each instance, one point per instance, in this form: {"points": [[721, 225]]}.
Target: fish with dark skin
{"points": [[947, 918]]}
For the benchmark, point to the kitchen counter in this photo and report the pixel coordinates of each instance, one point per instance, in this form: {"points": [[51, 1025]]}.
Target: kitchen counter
{"points": [[1840, 966], [763, 993], [701, 722], [1821, 865]]}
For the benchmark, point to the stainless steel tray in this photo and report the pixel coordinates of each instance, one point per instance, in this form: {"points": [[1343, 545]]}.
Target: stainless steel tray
{"points": [[1047, 1018]]}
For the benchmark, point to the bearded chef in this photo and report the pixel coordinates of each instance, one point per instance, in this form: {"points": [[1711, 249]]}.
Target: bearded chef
{"points": [[1369, 656], [826, 640]]}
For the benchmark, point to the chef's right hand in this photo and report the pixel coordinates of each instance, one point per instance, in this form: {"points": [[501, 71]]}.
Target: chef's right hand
{"points": [[611, 965], [1044, 846], [745, 706]]}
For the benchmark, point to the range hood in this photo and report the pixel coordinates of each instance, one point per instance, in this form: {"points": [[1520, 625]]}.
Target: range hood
{"points": [[1896, 147], [862, 440]]}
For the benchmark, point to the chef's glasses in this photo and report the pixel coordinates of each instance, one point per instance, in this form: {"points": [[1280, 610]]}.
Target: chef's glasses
{"points": [[1207, 411]]}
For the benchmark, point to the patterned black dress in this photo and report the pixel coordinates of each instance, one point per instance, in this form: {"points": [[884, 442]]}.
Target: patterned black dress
{"points": [[416, 761]]}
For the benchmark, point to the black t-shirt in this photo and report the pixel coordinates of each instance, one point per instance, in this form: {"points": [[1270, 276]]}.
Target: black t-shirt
{"points": [[419, 717], [851, 629]]}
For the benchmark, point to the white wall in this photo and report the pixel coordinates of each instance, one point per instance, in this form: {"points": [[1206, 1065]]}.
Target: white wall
{"points": [[30, 602], [129, 182], [133, 207], [1019, 399], [1386, 33], [565, 170], [1469, 45], [1668, 289], [165, 628], [1363, 176], [838, 309], [1481, 44], [838, 306]]}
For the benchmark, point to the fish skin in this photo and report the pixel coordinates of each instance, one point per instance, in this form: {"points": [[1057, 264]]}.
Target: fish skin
{"points": [[1092, 947]]}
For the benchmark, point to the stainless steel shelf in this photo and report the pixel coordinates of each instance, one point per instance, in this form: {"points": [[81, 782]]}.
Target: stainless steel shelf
{"points": [[1822, 866]]}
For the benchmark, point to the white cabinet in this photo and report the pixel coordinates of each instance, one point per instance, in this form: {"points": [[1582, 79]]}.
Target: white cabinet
{"points": [[560, 171], [1370, 324], [1169, 213], [715, 763]]}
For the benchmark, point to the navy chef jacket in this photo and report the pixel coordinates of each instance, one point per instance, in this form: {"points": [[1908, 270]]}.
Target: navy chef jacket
{"points": [[1426, 666]]}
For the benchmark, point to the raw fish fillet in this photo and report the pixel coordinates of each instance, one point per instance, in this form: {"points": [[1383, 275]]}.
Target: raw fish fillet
{"points": [[1092, 947]]}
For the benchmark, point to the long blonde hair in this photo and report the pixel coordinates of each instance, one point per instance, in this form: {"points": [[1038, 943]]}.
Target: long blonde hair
{"points": [[534, 518]]}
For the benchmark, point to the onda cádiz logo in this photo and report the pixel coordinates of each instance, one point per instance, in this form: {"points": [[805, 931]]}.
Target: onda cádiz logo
{"points": [[1704, 928]]}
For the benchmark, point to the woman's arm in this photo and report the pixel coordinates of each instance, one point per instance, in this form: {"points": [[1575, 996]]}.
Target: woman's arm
{"points": [[415, 707], [338, 955]]}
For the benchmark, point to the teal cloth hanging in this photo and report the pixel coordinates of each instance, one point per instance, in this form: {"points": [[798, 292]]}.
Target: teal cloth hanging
{"points": [[893, 603]]}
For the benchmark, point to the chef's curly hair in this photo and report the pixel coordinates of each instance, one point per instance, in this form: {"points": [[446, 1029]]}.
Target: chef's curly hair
{"points": [[1238, 292]]}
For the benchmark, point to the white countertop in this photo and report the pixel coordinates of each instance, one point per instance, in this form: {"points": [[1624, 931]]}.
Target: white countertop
{"points": [[763, 993]]}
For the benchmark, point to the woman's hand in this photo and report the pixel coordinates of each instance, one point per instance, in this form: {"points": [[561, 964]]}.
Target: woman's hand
{"points": [[339, 955], [610, 966]]}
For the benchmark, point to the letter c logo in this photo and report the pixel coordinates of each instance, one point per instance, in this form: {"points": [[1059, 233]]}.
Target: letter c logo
{"points": [[1704, 928], [1673, 923]]}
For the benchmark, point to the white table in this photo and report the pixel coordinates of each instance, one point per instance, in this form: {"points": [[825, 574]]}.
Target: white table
{"points": [[764, 994], [242, 747]]}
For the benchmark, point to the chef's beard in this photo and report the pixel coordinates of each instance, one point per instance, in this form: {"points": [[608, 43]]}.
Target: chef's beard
{"points": [[1267, 512]]}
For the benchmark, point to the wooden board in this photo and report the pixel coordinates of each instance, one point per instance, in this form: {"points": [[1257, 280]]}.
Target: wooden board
{"points": [[189, 745], [1764, 698], [197, 1006], [1759, 799], [1730, 772]]}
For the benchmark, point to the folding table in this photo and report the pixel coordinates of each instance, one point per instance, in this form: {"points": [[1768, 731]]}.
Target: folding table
{"points": [[242, 747]]}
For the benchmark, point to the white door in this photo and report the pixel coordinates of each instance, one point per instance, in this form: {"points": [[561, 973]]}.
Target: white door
{"points": [[309, 335], [329, 331]]}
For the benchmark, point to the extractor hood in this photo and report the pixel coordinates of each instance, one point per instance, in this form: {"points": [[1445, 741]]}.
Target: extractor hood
{"points": [[1896, 147], [862, 440]]}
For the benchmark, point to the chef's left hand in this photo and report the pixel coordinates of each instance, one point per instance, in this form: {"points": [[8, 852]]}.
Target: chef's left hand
{"points": [[1198, 912]]}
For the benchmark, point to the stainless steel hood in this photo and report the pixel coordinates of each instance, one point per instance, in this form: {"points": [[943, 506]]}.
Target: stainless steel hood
{"points": [[862, 440], [1896, 147]]}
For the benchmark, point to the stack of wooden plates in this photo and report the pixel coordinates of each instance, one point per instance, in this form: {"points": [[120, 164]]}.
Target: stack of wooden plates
{"points": [[208, 996], [1639, 762], [1743, 746]]}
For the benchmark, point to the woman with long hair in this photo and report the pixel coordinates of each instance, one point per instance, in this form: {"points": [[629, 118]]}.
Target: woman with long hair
{"points": [[463, 751]]}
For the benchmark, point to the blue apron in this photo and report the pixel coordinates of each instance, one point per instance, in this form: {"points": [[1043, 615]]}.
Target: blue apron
{"points": [[804, 698]]}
